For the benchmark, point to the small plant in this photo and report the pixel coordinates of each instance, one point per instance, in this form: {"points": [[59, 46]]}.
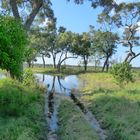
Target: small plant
{"points": [[28, 78], [122, 73]]}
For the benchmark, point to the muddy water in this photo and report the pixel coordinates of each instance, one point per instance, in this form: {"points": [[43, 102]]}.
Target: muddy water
{"points": [[64, 86]]}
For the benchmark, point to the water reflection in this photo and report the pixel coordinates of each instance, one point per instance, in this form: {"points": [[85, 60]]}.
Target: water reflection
{"points": [[59, 84], [56, 85], [2, 76]]}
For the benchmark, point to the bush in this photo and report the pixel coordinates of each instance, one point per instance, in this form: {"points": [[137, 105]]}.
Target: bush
{"points": [[122, 73], [28, 78], [13, 41]]}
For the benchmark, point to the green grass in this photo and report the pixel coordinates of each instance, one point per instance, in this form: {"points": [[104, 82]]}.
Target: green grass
{"points": [[21, 112], [2, 71], [118, 110], [64, 71], [72, 125]]}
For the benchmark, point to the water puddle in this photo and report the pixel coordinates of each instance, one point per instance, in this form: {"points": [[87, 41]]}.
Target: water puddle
{"points": [[56, 86], [59, 84], [2, 76], [64, 86]]}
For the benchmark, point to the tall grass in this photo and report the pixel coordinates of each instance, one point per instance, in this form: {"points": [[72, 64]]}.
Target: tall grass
{"points": [[117, 109], [21, 112], [72, 124]]}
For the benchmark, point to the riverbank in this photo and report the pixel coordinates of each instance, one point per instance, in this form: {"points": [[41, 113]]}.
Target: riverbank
{"points": [[64, 71], [116, 109], [21, 112]]}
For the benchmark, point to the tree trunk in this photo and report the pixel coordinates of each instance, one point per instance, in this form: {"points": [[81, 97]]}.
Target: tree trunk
{"points": [[32, 64], [105, 64], [29, 63], [59, 67], [61, 61], [54, 61], [85, 63], [43, 60], [14, 8]]}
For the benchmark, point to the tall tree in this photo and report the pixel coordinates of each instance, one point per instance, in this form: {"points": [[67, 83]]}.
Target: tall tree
{"points": [[27, 10], [127, 17], [82, 47], [38, 42], [64, 43], [105, 44]]}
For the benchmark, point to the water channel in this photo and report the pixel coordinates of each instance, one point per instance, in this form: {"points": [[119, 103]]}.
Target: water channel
{"points": [[64, 86]]}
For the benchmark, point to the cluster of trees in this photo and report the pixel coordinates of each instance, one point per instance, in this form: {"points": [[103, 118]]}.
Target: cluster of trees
{"points": [[50, 41], [102, 42]]}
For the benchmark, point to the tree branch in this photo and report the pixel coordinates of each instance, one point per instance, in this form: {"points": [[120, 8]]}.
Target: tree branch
{"points": [[67, 58], [37, 4], [13, 4]]}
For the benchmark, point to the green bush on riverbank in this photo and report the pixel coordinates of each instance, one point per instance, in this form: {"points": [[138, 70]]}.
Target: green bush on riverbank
{"points": [[21, 112]]}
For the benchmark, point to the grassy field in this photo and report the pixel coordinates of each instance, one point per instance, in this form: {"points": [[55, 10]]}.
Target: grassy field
{"points": [[64, 71], [21, 112], [72, 125], [117, 109]]}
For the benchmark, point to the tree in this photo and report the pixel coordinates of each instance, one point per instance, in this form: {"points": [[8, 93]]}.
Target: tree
{"points": [[105, 44], [27, 10], [127, 17], [64, 44], [38, 43], [51, 40], [108, 5], [82, 47], [12, 45], [30, 55]]}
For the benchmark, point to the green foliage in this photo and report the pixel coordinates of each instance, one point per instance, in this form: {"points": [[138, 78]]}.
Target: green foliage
{"points": [[21, 112], [30, 55], [81, 44], [104, 43], [28, 78], [12, 45], [122, 73]]}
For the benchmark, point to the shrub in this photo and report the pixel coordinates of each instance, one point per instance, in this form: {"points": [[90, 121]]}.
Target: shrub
{"points": [[13, 41], [28, 78], [122, 73]]}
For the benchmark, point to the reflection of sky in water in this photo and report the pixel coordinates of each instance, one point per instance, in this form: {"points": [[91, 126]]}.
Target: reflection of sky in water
{"points": [[59, 84], [2, 76]]}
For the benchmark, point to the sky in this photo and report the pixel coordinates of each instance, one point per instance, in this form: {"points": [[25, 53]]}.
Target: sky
{"points": [[77, 18]]}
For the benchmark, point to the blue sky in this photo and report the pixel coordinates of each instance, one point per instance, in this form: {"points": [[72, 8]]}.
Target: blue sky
{"points": [[74, 17], [77, 18]]}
